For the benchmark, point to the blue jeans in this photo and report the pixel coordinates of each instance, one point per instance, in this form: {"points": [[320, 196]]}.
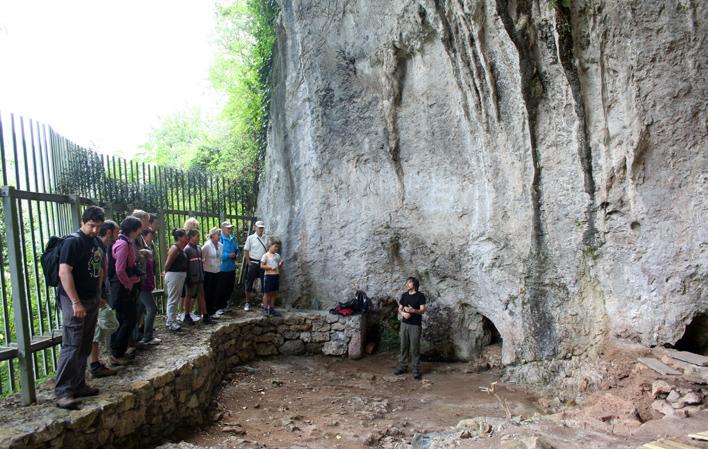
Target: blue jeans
{"points": [[148, 301]]}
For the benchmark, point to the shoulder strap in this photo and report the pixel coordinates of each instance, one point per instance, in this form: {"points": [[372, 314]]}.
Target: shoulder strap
{"points": [[259, 241]]}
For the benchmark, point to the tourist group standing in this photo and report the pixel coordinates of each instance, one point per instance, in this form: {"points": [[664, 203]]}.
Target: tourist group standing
{"points": [[107, 277]]}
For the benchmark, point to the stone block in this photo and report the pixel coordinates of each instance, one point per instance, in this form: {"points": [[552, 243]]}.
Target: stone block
{"points": [[266, 338], [306, 337], [290, 335], [320, 326], [161, 378], [332, 318], [292, 347], [356, 347], [335, 347], [338, 326], [320, 337], [264, 349], [292, 319], [338, 336]]}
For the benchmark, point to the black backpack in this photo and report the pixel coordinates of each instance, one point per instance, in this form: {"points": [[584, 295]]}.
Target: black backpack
{"points": [[358, 304], [50, 259]]}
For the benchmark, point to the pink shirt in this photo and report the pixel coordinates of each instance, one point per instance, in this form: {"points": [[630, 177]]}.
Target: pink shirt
{"points": [[124, 255]]}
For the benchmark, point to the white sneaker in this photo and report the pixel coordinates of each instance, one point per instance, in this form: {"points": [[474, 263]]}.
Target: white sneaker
{"points": [[220, 312], [154, 341], [180, 317], [195, 317]]}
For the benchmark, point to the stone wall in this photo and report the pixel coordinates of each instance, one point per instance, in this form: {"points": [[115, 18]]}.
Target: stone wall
{"points": [[172, 392]]}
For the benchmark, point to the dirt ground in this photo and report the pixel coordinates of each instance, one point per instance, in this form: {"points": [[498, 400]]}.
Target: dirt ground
{"points": [[322, 402]]}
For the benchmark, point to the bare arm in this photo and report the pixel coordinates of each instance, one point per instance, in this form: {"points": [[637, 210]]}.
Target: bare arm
{"points": [[67, 282], [171, 256]]}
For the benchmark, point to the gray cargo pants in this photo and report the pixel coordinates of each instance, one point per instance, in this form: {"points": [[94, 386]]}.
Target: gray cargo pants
{"points": [[77, 338], [410, 345]]}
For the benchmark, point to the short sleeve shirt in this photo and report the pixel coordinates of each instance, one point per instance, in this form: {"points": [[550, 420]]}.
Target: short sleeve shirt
{"points": [[256, 246], [272, 260], [415, 300], [86, 257]]}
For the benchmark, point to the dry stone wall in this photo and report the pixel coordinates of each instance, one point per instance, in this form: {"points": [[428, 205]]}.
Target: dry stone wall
{"points": [[172, 393], [546, 167]]}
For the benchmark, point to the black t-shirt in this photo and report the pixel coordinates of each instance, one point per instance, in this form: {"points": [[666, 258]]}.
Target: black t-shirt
{"points": [[415, 300], [85, 255]]}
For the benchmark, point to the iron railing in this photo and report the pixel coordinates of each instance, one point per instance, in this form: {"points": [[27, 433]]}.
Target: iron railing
{"points": [[47, 181]]}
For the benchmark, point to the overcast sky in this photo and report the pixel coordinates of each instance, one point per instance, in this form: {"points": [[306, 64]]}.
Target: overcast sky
{"points": [[102, 72]]}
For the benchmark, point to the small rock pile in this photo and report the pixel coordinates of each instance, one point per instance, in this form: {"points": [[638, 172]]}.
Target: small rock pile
{"points": [[670, 400]]}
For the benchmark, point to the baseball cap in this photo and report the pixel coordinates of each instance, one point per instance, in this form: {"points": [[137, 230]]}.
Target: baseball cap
{"points": [[260, 224], [227, 224]]}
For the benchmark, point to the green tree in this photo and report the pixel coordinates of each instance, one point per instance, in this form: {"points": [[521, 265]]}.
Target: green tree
{"points": [[233, 142]]}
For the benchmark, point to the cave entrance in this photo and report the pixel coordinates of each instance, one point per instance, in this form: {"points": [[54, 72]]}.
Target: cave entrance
{"points": [[489, 327], [695, 338]]}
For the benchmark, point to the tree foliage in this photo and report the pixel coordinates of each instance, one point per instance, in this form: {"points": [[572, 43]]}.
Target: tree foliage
{"points": [[233, 142]]}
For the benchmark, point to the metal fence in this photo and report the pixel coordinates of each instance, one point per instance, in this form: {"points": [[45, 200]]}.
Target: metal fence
{"points": [[47, 181]]}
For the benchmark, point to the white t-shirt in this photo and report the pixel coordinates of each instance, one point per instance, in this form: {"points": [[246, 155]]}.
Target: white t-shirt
{"points": [[212, 256], [256, 246], [272, 260]]}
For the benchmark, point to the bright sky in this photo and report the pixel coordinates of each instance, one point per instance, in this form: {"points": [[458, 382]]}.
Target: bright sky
{"points": [[103, 73]]}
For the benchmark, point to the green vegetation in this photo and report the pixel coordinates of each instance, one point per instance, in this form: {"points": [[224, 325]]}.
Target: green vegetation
{"points": [[559, 3], [233, 142]]}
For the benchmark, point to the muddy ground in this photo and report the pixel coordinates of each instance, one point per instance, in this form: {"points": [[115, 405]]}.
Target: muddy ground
{"points": [[322, 402]]}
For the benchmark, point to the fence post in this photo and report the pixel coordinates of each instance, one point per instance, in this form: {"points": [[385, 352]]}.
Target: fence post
{"points": [[75, 211], [19, 296]]}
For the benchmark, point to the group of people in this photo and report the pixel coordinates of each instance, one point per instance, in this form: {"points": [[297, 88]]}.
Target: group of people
{"points": [[107, 275]]}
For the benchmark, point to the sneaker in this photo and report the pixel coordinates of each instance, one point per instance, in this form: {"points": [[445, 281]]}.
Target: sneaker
{"points": [[86, 391], [265, 311], [153, 342], [188, 320], [102, 371], [207, 320], [68, 403], [140, 345], [195, 317], [417, 375], [400, 371], [247, 307], [174, 327], [180, 317], [273, 312], [220, 312]]}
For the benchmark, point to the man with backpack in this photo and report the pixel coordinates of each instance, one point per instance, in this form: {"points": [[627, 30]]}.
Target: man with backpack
{"points": [[81, 261]]}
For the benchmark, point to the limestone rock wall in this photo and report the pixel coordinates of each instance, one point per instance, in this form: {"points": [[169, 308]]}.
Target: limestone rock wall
{"points": [[544, 166]]}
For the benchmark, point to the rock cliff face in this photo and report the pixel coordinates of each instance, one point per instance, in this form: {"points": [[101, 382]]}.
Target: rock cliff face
{"points": [[543, 166]]}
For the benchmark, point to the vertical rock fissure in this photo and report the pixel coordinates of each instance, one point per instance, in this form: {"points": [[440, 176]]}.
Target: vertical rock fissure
{"points": [[566, 55], [394, 71], [541, 321], [460, 59]]}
